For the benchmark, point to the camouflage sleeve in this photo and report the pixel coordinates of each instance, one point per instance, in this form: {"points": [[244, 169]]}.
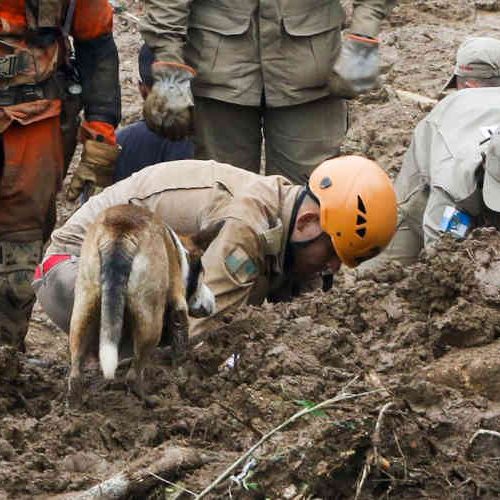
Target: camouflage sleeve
{"points": [[368, 15], [233, 264], [164, 28]]}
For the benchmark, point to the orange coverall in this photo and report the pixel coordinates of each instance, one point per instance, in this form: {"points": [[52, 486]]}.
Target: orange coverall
{"points": [[33, 49]]}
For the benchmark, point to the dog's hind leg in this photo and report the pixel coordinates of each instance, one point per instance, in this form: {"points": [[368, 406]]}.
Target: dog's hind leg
{"points": [[83, 333], [178, 330], [146, 336]]}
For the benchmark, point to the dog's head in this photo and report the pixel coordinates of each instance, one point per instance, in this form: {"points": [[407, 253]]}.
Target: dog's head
{"points": [[199, 297]]}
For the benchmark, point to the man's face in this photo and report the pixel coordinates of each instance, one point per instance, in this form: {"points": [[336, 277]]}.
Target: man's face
{"points": [[317, 256]]}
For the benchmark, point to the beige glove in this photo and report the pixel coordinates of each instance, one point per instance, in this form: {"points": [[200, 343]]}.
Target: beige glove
{"points": [[168, 109], [356, 68], [95, 169]]}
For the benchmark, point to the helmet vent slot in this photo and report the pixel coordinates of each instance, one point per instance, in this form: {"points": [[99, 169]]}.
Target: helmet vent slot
{"points": [[361, 205], [360, 220], [361, 232]]}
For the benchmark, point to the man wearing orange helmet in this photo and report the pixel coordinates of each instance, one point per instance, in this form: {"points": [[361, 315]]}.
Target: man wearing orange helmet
{"points": [[275, 233]]}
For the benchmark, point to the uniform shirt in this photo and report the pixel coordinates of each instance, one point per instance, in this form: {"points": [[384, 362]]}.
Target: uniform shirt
{"points": [[244, 49], [444, 156], [142, 148], [246, 260]]}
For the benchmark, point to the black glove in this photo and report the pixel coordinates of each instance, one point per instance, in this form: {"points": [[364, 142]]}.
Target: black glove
{"points": [[168, 109], [356, 68]]}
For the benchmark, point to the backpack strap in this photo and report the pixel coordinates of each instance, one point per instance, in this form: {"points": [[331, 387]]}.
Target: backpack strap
{"points": [[44, 13], [70, 13]]}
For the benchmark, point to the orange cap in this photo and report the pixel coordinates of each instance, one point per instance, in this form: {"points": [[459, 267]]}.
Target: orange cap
{"points": [[357, 205]]}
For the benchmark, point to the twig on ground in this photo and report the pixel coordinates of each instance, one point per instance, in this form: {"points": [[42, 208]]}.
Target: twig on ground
{"points": [[372, 457], [233, 414], [178, 486], [143, 474], [482, 432], [129, 16], [293, 418], [405, 463], [376, 435]]}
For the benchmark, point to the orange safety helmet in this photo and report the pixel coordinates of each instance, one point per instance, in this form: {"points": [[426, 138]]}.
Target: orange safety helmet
{"points": [[357, 205]]}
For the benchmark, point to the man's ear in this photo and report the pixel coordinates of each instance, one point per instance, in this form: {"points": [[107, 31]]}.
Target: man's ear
{"points": [[306, 219], [203, 239]]}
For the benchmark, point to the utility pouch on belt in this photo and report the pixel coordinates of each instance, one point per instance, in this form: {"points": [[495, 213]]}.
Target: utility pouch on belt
{"points": [[9, 66]]}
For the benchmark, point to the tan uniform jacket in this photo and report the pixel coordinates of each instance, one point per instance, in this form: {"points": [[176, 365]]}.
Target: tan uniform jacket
{"points": [[244, 48], [245, 262], [444, 156]]}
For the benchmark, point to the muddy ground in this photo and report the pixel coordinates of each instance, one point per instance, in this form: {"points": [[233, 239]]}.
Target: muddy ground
{"points": [[412, 354]]}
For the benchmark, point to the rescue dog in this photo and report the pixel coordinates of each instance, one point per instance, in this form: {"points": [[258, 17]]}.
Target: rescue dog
{"points": [[133, 272]]}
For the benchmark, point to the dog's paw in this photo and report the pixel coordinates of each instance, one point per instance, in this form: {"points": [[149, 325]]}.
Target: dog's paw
{"points": [[75, 393], [180, 341]]}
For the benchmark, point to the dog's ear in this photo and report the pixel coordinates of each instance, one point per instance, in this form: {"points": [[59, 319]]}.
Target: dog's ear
{"points": [[203, 239]]}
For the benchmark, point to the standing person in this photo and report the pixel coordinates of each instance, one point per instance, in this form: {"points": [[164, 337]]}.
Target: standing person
{"points": [[276, 70], [140, 147], [40, 101]]}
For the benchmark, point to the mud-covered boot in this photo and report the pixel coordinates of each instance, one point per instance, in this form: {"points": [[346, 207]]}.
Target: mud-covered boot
{"points": [[18, 261]]}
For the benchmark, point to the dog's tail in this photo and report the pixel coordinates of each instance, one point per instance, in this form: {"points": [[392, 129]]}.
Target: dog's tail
{"points": [[116, 263]]}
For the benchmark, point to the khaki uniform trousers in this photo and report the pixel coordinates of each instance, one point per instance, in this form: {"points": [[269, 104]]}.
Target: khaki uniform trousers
{"points": [[296, 138]]}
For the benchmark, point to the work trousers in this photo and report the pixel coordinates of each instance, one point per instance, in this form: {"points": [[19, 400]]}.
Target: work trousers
{"points": [[31, 168], [297, 138]]}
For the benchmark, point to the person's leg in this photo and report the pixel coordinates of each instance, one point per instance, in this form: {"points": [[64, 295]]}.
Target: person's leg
{"points": [[228, 133], [298, 138], [17, 264], [31, 174], [56, 292]]}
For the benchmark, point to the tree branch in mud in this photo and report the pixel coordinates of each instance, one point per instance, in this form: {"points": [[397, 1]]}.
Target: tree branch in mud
{"points": [[329, 402], [373, 457], [144, 474]]}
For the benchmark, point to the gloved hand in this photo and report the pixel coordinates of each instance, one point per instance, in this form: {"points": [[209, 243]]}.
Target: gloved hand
{"points": [[357, 66], [168, 109], [95, 170]]}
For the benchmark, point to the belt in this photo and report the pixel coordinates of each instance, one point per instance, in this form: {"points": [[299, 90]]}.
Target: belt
{"points": [[48, 264], [48, 89]]}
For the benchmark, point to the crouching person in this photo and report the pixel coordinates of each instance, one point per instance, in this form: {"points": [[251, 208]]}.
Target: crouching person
{"points": [[275, 234]]}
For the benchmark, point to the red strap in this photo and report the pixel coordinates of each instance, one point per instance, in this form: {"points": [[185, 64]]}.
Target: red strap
{"points": [[364, 39], [49, 263]]}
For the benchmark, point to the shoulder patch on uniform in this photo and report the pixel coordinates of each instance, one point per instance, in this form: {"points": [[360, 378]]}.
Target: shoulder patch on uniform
{"points": [[240, 266]]}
